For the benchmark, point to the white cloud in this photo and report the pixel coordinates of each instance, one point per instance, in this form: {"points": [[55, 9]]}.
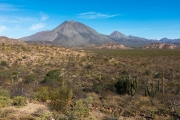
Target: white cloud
{"points": [[95, 15], [2, 28], [7, 7], [37, 26], [15, 19], [43, 16]]}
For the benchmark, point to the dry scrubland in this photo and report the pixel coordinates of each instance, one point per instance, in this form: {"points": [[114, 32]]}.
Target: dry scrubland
{"points": [[45, 82]]}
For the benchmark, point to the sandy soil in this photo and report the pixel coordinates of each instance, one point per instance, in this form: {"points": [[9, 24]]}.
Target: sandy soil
{"points": [[30, 108]]}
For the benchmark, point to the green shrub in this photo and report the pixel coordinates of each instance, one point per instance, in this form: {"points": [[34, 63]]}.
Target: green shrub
{"points": [[5, 74], [52, 77], [42, 94], [60, 117], [29, 78], [79, 111], [60, 98], [4, 63], [158, 75], [44, 116], [4, 101], [147, 72], [19, 101], [124, 72], [4, 92]]}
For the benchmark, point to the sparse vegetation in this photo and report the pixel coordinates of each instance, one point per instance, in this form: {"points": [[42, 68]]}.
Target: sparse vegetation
{"points": [[79, 111], [19, 101], [119, 82], [4, 101]]}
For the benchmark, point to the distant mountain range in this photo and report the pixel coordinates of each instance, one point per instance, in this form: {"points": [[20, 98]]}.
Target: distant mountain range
{"points": [[171, 41], [76, 34]]}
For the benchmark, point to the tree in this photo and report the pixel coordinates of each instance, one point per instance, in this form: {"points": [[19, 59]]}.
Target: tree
{"points": [[52, 77]]}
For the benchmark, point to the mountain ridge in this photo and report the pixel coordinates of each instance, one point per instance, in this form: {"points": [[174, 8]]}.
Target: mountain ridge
{"points": [[76, 34], [170, 41]]}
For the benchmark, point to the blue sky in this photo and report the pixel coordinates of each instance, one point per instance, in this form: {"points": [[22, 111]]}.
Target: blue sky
{"points": [[153, 19]]}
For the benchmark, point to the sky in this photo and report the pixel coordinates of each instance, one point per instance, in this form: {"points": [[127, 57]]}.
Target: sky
{"points": [[152, 19]]}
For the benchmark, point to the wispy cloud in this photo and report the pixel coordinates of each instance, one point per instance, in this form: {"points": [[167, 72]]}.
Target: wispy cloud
{"points": [[43, 16], [7, 7], [37, 26], [15, 19], [2, 28], [95, 15]]}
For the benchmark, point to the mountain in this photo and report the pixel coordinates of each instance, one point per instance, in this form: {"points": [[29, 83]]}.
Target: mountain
{"points": [[171, 41], [160, 46], [70, 34], [165, 40], [117, 34], [6, 40], [131, 41]]}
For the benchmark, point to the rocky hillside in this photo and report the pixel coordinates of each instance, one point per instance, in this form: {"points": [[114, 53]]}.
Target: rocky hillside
{"points": [[7, 40], [108, 45], [160, 46]]}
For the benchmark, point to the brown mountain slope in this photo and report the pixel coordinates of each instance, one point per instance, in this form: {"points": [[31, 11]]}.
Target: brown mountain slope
{"points": [[7, 40], [41, 36]]}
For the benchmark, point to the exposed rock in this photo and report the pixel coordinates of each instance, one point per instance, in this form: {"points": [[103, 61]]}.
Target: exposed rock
{"points": [[160, 46], [108, 45]]}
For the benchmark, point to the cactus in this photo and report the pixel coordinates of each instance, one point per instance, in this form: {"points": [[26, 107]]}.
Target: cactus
{"points": [[126, 86], [171, 74], [100, 76], [146, 91], [136, 83], [162, 82], [151, 91], [89, 73], [158, 86], [139, 71]]}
